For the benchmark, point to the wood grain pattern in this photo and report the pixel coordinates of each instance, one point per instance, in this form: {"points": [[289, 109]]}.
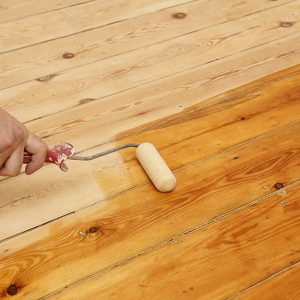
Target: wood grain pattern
{"points": [[40, 61], [212, 262], [273, 101], [135, 68], [284, 285], [148, 103], [11, 10], [206, 189], [101, 73], [60, 23]]}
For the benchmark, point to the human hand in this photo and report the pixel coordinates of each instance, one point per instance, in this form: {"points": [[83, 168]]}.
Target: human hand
{"points": [[14, 139]]}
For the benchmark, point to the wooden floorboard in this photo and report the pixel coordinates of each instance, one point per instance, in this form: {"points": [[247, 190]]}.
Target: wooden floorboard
{"points": [[284, 285], [215, 86], [47, 58], [12, 10]]}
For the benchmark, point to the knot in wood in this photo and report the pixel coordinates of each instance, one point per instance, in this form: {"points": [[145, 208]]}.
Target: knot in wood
{"points": [[278, 186], [93, 229], [68, 55], [12, 290], [286, 24], [179, 15]]}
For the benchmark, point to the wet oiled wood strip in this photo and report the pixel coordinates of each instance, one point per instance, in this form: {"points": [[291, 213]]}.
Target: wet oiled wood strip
{"points": [[50, 58], [213, 261], [70, 20], [66, 250], [129, 70], [201, 131], [11, 10], [284, 285]]}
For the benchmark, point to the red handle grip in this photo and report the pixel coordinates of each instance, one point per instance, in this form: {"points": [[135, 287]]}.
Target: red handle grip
{"points": [[57, 155]]}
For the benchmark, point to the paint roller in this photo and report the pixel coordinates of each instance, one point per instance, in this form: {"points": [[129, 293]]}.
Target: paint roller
{"points": [[146, 153]]}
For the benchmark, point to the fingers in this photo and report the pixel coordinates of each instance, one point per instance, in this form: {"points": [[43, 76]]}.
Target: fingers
{"points": [[12, 146], [38, 148], [11, 160], [14, 138], [13, 164], [4, 155]]}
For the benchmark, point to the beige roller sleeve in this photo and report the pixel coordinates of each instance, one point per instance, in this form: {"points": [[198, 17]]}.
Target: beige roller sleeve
{"points": [[155, 167]]}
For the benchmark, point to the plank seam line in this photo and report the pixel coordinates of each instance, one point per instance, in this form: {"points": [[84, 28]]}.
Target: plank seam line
{"points": [[147, 181], [107, 24], [138, 48], [162, 78], [274, 275], [171, 240], [47, 11], [13, 201], [35, 227]]}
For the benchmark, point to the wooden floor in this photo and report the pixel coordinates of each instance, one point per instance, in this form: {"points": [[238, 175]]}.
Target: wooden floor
{"points": [[215, 85]]}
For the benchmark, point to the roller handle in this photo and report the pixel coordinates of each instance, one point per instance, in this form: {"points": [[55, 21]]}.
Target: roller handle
{"points": [[57, 155], [28, 157], [148, 156]]}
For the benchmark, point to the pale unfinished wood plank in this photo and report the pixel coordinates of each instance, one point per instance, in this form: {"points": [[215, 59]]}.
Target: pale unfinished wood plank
{"points": [[47, 58], [284, 285], [11, 10], [29, 196], [70, 20], [210, 262], [101, 79], [52, 253], [95, 122]]}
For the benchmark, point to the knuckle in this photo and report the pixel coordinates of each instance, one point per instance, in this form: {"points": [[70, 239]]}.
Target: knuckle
{"points": [[20, 135], [44, 147], [8, 142]]}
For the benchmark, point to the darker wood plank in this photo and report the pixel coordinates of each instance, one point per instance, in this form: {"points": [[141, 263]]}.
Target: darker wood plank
{"points": [[281, 286], [210, 262]]}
